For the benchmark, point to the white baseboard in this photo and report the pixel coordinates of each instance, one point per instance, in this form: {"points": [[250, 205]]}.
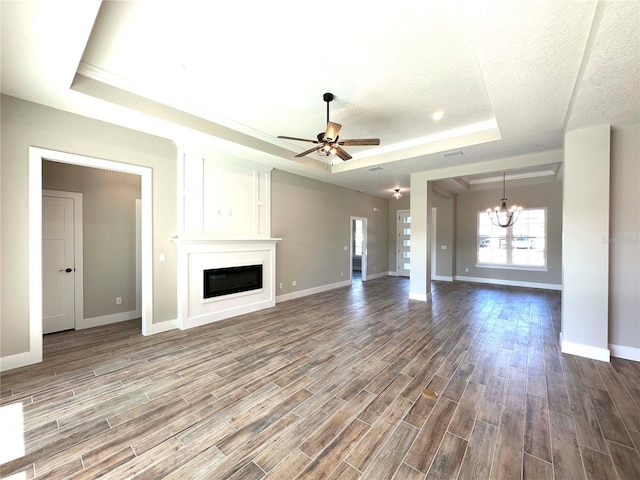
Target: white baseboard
{"points": [[442, 278], [628, 353], [420, 296], [18, 360], [393, 274], [581, 350], [510, 283], [107, 319], [372, 276], [164, 326], [312, 291]]}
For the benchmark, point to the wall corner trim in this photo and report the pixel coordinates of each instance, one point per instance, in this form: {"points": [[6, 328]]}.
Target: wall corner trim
{"points": [[587, 351]]}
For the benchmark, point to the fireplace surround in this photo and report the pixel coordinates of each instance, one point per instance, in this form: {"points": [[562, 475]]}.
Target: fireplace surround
{"points": [[196, 305]]}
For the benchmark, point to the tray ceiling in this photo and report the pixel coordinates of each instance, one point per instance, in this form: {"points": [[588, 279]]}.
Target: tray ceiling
{"points": [[510, 76]]}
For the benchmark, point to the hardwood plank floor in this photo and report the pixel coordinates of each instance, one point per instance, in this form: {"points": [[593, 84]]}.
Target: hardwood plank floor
{"points": [[330, 386]]}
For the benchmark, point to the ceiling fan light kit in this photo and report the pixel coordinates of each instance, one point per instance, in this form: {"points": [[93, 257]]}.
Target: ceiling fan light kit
{"points": [[501, 216], [328, 143]]}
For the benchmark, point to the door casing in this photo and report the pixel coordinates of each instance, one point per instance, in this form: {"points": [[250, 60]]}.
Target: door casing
{"points": [[36, 155]]}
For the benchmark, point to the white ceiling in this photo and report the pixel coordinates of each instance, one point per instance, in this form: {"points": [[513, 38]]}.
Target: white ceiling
{"points": [[510, 76]]}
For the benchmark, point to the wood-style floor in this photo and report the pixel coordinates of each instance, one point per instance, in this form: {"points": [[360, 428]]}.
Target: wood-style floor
{"points": [[332, 386]]}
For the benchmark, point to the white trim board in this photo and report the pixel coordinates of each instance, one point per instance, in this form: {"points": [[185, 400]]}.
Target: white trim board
{"points": [[628, 353], [107, 319], [420, 297], [510, 283], [587, 351], [164, 326], [311, 291], [441, 278], [373, 276]]}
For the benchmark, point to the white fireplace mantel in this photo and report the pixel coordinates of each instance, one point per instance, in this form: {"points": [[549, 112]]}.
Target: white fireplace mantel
{"points": [[197, 253], [207, 240]]}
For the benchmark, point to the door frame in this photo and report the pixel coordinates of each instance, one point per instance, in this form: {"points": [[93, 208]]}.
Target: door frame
{"points": [[36, 156], [78, 288], [363, 265]]}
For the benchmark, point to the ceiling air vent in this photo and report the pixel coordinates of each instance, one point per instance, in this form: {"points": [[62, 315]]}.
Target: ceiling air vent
{"points": [[453, 154], [374, 169]]}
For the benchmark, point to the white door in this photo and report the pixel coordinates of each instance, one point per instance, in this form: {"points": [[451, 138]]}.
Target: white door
{"points": [[58, 269], [403, 242]]}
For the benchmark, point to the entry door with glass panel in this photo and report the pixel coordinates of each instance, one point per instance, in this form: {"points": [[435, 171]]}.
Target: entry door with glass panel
{"points": [[403, 242]]}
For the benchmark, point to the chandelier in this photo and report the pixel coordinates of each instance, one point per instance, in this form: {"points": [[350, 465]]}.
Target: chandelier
{"points": [[397, 195], [501, 216]]}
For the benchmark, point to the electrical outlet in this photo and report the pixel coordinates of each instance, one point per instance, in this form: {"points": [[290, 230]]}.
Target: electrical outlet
{"points": [[118, 300], [342, 274], [374, 268], [281, 285], [466, 270], [294, 283]]}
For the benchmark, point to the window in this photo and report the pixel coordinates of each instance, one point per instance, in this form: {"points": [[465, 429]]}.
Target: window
{"points": [[523, 245]]}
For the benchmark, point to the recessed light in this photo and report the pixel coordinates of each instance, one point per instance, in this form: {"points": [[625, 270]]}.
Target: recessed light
{"points": [[437, 115]]}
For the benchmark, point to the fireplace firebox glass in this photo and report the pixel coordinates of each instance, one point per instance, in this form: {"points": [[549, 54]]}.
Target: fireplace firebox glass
{"points": [[225, 281]]}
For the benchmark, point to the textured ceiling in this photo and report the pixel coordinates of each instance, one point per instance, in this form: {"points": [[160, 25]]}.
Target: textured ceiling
{"points": [[510, 76]]}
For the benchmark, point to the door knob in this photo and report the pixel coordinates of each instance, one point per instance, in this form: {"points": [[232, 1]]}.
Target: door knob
{"points": [[68, 270]]}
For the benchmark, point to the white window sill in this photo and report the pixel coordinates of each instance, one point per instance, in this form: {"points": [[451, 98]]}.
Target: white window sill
{"points": [[512, 267]]}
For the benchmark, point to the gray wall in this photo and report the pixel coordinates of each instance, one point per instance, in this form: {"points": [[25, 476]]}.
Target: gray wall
{"points": [[624, 238], [547, 195], [108, 230], [313, 219], [26, 124]]}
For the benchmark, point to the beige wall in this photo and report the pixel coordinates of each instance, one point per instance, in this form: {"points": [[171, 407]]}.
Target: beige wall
{"points": [[313, 220], [624, 238], [547, 195], [24, 124], [108, 230]]}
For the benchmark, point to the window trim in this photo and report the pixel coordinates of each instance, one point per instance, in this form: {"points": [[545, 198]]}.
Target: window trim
{"points": [[509, 238]]}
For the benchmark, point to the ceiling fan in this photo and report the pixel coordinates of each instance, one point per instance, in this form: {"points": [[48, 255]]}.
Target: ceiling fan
{"points": [[328, 142]]}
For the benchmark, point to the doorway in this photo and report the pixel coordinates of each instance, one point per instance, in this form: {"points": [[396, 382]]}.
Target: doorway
{"points": [[358, 250], [36, 156]]}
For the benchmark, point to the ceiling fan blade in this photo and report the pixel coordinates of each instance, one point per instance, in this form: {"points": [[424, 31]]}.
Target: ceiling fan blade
{"points": [[360, 141], [299, 139], [342, 154], [311, 150], [332, 131]]}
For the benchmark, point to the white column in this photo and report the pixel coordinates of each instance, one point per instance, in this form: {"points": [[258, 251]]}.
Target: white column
{"points": [[585, 245], [420, 272]]}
